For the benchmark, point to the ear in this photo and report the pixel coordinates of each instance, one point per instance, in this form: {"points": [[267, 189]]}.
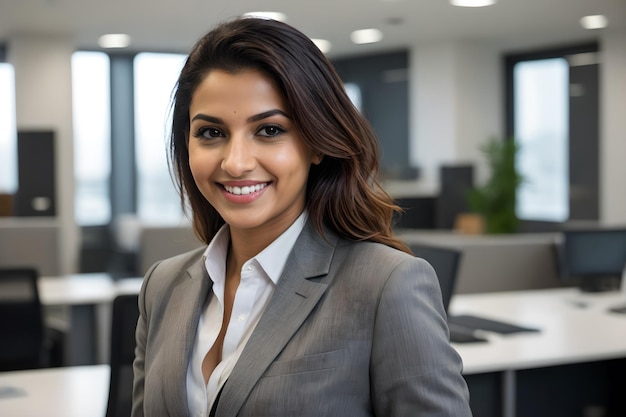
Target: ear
{"points": [[317, 158]]}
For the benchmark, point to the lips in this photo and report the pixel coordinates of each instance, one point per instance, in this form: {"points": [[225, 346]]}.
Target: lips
{"points": [[246, 189]]}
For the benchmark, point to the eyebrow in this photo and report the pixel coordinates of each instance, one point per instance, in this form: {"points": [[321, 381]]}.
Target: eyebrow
{"points": [[251, 119]]}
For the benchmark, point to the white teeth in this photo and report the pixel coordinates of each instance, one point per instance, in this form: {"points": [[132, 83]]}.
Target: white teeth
{"points": [[245, 190]]}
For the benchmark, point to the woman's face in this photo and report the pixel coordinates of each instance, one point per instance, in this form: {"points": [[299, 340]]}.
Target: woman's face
{"points": [[245, 153]]}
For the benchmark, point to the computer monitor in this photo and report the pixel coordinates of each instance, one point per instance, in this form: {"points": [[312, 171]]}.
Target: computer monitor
{"points": [[595, 257]]}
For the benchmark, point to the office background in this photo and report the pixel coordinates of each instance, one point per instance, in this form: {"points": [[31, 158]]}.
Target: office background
{"points": [[456, 89], [449, 67]]}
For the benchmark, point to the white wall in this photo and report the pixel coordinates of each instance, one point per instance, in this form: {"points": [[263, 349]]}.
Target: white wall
{"points": [[456, 106], [613, 129], [44, 101], [433, 114], [480, 103]]}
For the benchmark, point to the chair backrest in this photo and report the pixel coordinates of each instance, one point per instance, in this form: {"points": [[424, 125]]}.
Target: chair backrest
{"points": [[124, 322], [446, 262], [21, 320]]}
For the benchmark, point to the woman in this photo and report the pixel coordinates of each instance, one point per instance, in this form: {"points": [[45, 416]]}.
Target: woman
{"points": [[303, 303]]}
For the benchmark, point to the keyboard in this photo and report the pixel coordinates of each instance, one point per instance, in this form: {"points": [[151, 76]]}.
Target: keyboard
{"points": [[460, 334], [618, 309], [481, 323]]}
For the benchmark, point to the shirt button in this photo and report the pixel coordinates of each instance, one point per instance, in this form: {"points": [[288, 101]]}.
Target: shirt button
{"points": [[242, 317]]}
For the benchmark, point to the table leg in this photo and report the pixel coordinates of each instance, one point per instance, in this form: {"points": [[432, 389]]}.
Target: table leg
{"points": [[103, 332], [80, 345], [508, 393]]}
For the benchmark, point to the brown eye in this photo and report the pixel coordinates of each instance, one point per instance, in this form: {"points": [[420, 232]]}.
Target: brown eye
{"points": [[270, 131], [208, 133]]}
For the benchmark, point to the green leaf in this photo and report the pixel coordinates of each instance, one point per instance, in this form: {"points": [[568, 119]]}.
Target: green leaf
{"points": [[495, 200]]}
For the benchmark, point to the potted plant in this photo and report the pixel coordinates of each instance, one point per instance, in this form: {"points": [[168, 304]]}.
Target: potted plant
{"points": [[495, 200]]}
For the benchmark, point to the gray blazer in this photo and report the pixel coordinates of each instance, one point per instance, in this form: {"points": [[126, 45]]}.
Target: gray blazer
{"points": [[353, 329]]}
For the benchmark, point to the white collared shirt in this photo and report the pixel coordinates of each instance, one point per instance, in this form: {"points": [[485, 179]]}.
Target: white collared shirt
{"points": [[259, 276]]}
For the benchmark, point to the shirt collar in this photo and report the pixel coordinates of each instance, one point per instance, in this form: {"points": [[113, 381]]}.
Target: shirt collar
{"points": [[272, 259]]}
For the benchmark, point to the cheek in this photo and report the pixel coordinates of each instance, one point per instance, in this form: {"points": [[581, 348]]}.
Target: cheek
{"points": [[200, 164], [296, 159], [193, 163]]}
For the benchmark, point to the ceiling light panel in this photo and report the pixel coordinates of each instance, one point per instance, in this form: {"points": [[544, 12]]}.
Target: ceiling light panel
{"points": [[323, 45], [472, 3], [597, 21], [114, 40], [281, 17], [364, 36]]}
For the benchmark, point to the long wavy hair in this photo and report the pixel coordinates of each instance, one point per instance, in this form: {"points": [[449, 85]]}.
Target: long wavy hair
{"points": [[343, 191]]}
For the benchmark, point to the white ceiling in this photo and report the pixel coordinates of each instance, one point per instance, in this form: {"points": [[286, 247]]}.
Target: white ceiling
{"points": [[173, 25]]}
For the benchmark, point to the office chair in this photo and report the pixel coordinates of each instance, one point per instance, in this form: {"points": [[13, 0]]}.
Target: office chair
{"points": [[462, 327], [124, 322], [446, 262], [21, 320]]}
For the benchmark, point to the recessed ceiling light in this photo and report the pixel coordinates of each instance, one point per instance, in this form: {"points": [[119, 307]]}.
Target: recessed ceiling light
{"points": [[366, 36], [597, 21], [114, 40], [323, 45], [281, 17], [472, 3]]}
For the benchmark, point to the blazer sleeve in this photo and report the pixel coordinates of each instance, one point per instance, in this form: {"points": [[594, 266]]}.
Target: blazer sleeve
{"points": [[415, 371], [140, 349]]}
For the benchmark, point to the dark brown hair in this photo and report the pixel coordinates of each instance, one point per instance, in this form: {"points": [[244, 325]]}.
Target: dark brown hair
{"points": [[343, 191]]}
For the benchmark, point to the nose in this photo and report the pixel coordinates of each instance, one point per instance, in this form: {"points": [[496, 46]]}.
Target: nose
{"points": [[238, 156]]}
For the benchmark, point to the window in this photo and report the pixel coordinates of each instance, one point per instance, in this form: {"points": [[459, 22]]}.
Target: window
{"points": [[354, 92], [155, 76], [552, 111], [541, 94], [92, 137], [8, 141]]}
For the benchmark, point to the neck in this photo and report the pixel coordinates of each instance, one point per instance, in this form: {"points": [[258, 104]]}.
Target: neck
{"points": [[245, 245]]}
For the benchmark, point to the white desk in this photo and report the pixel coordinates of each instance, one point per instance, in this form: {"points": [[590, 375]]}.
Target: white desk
{"points": [[80, 391], [575, 328], [84, 289], [81, 293]]}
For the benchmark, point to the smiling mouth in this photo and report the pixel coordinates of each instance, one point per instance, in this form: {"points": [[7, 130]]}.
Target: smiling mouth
{"points": [[245, 190]]}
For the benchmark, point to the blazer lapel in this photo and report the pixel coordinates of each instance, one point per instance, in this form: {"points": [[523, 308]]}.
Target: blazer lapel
{"points": [[187, 300], [294, 298]]}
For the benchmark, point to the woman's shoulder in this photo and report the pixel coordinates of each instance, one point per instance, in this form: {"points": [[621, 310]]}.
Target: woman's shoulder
{"points": [[380, 268], [183, 260], [167, 271], [375, 253], [370, 246]]}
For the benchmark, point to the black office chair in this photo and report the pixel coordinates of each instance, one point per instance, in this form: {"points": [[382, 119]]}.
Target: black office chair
{"points": [[446, 262], [124, 322], [22, 331]]}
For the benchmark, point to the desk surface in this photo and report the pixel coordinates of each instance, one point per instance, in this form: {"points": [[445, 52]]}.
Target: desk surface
{"points": [[96, 288], [55, 392], [575, 328], [94, 292]]}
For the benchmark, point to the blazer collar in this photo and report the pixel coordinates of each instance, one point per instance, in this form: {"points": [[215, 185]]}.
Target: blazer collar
{"points": [[294, 298]]}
